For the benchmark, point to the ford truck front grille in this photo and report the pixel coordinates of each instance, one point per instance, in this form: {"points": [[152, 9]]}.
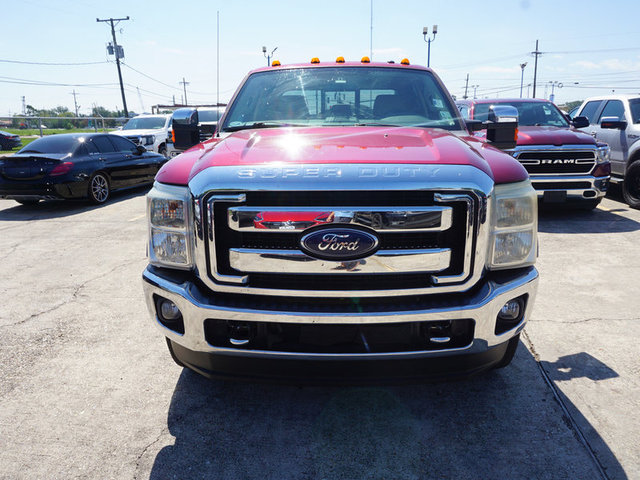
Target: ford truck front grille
{"points": [[426, 239]]}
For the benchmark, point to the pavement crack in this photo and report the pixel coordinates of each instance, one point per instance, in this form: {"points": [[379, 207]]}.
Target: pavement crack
{"points": [[147, 447], [567, 417]]}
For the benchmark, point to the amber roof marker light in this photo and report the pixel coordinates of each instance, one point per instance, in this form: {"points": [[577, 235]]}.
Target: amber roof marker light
{"points": [[405, 61], [365, 60], [315, 60], [275, 63], [340, 60]]}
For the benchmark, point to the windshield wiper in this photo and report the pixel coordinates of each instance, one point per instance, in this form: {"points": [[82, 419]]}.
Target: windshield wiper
{"points": [[249, 126], [375, 124]]}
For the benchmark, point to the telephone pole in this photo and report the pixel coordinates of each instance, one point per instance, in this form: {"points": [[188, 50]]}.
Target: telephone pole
{"points": [[184, 86], [75, 103], [537, 53], [119, 52]]}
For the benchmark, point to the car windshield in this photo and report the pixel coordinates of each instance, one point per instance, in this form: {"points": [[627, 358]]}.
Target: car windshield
{"points": [[530, 114], [634, 105], [52, 144], [328, 96], [145, 123], [209, 115]]}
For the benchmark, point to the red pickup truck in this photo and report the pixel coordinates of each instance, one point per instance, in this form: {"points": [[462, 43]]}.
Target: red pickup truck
{"points": [[343, 223], [565, 164]]}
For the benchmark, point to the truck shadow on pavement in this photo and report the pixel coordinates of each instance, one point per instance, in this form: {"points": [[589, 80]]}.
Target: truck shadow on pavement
{"points": [[503, 424], [49, 209], [567, 220]]}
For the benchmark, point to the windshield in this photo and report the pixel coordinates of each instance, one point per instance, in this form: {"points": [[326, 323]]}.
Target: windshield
{"points": [[145, 123], [634, 105], [342, 96], [529, 113], [53, 144]]}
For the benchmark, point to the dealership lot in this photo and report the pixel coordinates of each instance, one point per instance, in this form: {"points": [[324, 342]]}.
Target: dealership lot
{"points": [[88, 390]]}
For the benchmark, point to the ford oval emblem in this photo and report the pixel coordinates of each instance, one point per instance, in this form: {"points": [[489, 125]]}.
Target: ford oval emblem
{"points": [[339, 243]]}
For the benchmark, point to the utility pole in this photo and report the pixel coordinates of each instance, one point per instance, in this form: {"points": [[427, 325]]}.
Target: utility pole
{"points": [[24, 106], [119, 52], [466, 87], [75, 103], [184, 86], [537, 53]]}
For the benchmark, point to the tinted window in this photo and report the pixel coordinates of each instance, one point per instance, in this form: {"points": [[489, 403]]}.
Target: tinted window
{"points": [[53, 144], [145, 123], [590, 109], [103, 144], [464, 111], [209, 115], [342, 96], [122, 144], [613, 108], [634, 105]]}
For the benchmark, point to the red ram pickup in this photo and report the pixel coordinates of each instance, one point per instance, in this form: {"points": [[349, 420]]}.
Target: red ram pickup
{"points": [[408, 245], [565, 165]]}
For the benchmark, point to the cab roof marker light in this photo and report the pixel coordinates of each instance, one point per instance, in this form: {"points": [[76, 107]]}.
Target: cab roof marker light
{"points": [[315, 60], [365, 60], [340, 60], [275, 63], [405, 61]]}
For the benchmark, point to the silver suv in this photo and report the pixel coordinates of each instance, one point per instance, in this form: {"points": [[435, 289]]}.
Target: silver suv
{"points": [[615, 119]]}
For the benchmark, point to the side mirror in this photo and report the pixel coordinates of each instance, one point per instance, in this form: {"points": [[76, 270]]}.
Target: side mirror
{"points": [[580, 122], [140, 150], [474, 125], [613, 123], [502, 126], [185, 128]]}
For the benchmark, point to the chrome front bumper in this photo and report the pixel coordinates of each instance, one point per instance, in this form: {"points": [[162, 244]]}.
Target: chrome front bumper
{"points": [[482, 306], [582, 187]]}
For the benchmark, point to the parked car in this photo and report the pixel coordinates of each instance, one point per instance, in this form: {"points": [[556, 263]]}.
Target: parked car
{"points": [[150, 131], [565, 165], [615, 119], [9, 141], [76, 165]]}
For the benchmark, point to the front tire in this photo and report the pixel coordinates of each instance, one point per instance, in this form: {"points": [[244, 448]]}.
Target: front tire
{"points": [[162, 150], [631, 185], [99, 188]]}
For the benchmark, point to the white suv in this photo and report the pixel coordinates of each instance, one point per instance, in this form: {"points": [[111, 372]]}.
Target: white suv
{"points": [[150, 131], [615, 119]]}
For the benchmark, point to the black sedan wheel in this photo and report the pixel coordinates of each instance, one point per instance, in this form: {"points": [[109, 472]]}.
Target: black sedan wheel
{"points": [[99, 189]]}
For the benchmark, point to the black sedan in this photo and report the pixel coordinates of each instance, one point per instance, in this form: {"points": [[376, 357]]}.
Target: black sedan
{"points": [[9, 141], [76, 165]]}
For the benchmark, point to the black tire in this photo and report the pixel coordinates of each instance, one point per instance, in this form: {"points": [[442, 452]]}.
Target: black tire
{"points": [[99, 188], [28, 203], [510, 352], [162, 150], [173, 355], [631, 185]]}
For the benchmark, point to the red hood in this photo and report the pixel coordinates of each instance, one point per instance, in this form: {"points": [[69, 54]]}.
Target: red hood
{"points": [[348, 145], [552, 136]]}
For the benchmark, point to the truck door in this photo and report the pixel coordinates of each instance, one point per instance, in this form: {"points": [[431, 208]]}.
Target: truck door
{"points": [[617, 139]]}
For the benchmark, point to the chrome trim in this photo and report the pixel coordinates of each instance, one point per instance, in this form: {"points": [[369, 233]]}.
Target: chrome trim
{"points": [[468, 241], [386, 219], [482, 307], [555, 149], [383, 261], [211, 237], [217, 181], [571, 192]]}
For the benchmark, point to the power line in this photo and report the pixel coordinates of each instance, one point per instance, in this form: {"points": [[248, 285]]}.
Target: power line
{"points": [[52, 63]]}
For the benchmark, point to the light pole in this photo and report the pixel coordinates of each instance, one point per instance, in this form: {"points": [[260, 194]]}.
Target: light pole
{"points": [[522, 65], [553, 84], [268, 57], [475, 87], [425, 33]]}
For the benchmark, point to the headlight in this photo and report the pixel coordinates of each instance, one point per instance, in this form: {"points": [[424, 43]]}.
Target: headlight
{"points": [[148, 140], [170, 232], [514, 226], [603, 153]]}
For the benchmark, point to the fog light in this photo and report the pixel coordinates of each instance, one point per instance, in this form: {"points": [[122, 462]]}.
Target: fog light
{"points": [[510, 310], [169, 310]]}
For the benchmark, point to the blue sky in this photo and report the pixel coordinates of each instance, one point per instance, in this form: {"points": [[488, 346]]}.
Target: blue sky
{"points": [[590, 42]]}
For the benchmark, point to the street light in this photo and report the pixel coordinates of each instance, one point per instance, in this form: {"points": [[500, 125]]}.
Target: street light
{"points": [[475, 87], [553, 84], [268, 57], [522, 65], [425, 33]]}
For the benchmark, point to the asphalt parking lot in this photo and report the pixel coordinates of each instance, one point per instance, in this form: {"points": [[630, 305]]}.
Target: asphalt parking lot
{"points": [[88, 389]]}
